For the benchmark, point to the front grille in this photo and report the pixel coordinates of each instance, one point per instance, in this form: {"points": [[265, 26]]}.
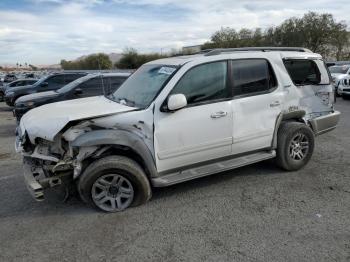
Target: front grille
{"points": [[346, 90]]}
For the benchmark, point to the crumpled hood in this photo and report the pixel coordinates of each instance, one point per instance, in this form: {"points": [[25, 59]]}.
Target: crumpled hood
{"points": [[36, 96], [47, 120]]}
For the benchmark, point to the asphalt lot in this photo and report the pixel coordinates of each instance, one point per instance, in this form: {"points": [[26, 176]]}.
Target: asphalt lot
{"points": [[255, 213]]}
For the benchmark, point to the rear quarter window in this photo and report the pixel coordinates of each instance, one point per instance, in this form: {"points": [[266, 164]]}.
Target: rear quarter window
{"points": [[307, 72]]}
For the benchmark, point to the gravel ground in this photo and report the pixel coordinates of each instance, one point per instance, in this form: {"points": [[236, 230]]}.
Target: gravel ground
{"points": [[255, 213]]}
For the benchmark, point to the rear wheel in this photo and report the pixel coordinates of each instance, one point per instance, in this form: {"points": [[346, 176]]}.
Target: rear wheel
{"points": [[1, 96], [295, 145], [114, 183]]}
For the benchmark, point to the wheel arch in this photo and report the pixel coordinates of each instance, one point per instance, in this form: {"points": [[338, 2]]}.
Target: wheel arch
{"points": [[120, 142], [293, 116]]}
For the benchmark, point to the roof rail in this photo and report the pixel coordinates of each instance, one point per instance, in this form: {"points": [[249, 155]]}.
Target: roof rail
{"points": [[218, 51]]}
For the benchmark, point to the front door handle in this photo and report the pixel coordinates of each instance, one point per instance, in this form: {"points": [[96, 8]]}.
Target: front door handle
{"points": [[218, 114], [274, 104]]}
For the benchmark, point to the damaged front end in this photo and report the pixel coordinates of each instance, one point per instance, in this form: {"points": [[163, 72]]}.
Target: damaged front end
{"points": [[61, 160], [49, 164]]}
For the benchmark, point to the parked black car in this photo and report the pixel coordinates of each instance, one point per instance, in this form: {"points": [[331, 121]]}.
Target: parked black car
{"points": [[10, 78], [21, 82], [47, 83], [90, 85]]}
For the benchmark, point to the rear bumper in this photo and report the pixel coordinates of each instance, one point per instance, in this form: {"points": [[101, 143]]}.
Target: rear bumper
{"points": [[323, 124]]}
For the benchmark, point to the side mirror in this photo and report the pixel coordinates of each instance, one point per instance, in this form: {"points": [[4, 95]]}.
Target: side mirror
{"points": [[78, 91], [176, 102], [44, 84]]}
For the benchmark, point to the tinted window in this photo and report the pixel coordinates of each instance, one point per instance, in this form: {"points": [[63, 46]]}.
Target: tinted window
{"points": [[15, 84], [92, 87], [303, 72], [56, 80], [204, 83], [112, 83], [94, 83], [252, 76], [71, 77]]}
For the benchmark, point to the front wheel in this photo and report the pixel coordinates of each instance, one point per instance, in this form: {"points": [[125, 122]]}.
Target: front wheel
{"points": [[295, 145], [114, 183]]}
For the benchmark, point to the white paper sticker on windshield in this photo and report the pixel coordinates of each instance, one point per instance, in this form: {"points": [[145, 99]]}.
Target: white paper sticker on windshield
{"points": [[166, 70]]}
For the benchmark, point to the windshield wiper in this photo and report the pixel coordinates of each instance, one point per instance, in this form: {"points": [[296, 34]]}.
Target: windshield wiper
{"points": [[125, 101]]}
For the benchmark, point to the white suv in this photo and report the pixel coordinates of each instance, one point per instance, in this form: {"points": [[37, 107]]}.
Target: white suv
{"points": [[177, 119]]}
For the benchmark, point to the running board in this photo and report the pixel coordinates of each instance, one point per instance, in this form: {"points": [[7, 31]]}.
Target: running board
{"points": [[209, 169]]}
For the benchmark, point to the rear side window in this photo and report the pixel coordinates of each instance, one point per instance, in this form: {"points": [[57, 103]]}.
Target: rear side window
{"points": [[304, 72], [56, 80], [252, 77], [91, 87], [112, 83], [204, 83], [71, 77]]}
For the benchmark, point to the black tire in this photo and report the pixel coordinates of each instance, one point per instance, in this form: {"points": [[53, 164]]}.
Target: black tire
{"points": [[336, 92], [287, 146], [346, 97], [122, 166], [2, 98]]}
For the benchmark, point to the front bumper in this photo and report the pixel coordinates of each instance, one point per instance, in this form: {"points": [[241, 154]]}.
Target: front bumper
{"points": [[33, 186], [36, 180], [344, 91], [326, 123]]}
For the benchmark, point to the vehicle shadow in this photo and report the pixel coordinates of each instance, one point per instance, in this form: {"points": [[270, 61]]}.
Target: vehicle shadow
{"points": [[5, 108], [7, 130], [24, 206], [265, 168], [17, 202]]}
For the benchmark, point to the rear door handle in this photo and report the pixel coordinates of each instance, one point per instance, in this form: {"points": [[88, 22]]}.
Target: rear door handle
{"points": [[274, 104], [218, 114]]}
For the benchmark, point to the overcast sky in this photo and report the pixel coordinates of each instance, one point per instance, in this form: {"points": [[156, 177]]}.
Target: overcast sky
{"points": [[45, 31]]}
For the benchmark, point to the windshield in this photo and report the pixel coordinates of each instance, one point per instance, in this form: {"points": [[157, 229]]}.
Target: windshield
{"points": [[141, 88], [339, 69], [73, 84]]}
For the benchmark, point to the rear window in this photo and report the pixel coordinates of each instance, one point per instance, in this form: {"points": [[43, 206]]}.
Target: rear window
{"points": [[306, 72]]}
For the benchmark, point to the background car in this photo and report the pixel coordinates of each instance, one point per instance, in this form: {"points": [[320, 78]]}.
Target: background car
{"points": [[48, 83], [344, 87], [9, 78], [21, 82], [339, 72], [90, 85]]}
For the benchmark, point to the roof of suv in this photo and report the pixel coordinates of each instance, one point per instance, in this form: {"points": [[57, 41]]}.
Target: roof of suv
{"points": [[232, 53]]}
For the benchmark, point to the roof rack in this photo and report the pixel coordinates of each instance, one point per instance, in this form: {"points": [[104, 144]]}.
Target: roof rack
{"points": [[210, 52]]}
